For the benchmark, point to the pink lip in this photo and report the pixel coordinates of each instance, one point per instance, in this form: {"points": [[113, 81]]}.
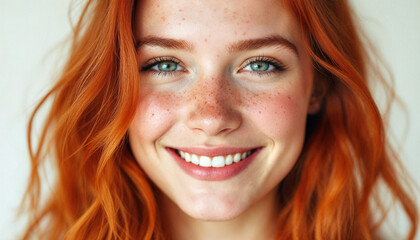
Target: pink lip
{"points": [[213, 173]]}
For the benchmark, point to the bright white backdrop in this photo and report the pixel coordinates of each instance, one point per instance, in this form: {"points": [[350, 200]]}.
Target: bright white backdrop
{"points": [[31, 31]]}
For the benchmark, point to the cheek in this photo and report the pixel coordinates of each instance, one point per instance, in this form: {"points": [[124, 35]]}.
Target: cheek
{"points": [[279, 114], [155, 114]]}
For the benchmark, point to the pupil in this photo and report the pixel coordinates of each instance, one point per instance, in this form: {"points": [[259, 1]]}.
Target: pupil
{"points": [[167, 66], [259, 66]]}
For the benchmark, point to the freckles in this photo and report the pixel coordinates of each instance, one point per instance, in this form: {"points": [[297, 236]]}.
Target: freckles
{"points": [[155, 113], [212, 101], [275, 113], [234, 15], [154, 105]]}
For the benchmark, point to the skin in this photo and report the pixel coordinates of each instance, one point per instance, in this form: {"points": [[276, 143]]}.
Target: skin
{"points": [[214, 99]]}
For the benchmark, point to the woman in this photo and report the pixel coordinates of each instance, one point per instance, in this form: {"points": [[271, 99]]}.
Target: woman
{"points": [[215, 120]]}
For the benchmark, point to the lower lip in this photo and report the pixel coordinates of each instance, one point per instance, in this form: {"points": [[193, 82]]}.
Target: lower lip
{"points": [[213, 173]]}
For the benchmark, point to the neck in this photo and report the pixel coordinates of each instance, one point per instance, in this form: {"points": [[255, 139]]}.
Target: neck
{"points": [[258, 222]]}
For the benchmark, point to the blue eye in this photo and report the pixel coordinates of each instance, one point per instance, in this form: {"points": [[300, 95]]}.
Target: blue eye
{"points": [[166, 66], [263, 66], [162, 65], [260, 66]]}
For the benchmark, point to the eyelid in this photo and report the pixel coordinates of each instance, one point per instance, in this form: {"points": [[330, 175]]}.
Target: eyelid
{"points": [[278, 65], [154, 61]]}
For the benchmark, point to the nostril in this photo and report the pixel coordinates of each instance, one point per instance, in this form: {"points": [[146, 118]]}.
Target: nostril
{"points": [[226, 130]]}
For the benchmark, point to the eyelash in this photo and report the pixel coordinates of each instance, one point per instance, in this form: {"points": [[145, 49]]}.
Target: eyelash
{"points": [[155, 61], [278, 66]]}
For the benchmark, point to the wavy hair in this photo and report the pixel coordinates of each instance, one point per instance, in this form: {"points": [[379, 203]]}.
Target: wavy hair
{"points": [[100, 192]]}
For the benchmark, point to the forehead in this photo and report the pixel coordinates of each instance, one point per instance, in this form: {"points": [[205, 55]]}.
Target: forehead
{"points": [[216, 19]]}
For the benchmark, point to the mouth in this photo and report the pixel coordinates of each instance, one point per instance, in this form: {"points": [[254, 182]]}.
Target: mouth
{"points": [[214, 164], [216, 161]]}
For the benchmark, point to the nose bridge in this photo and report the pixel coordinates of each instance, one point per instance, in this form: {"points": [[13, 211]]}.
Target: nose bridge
{"points": [[212, 106], [210, 97], [212, 93]]}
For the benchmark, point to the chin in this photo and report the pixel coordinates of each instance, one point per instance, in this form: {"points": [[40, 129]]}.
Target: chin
{"points": [[214, 211]]}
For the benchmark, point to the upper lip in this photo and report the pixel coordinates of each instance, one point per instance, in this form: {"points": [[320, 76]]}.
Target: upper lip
{"points": [[214, 151]]}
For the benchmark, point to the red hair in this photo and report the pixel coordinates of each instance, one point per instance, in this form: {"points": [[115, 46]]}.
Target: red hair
{"points": [[101, 192]]}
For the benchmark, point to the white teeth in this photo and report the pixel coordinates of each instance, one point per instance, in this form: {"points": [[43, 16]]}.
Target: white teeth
{"points": [[205, 161], [237, 157], [218, 161], [229, 160], [194, 159], [187, 157]]}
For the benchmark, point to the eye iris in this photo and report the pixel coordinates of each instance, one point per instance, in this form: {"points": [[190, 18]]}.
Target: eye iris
{"points": [[260, 66], [167, 66]]}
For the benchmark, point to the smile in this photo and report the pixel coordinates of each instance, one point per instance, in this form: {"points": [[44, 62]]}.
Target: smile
{"points": [[214, 164], [217, 161]]}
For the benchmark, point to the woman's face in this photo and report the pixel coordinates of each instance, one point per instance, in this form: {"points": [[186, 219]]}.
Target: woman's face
{"points": [[225, 89]]}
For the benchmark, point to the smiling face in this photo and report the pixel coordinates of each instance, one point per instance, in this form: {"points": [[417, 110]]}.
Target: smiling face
{"points": [[225, 88]]}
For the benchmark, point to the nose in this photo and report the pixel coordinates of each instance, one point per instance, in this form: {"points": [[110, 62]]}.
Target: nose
{"points": [[213, 107]]}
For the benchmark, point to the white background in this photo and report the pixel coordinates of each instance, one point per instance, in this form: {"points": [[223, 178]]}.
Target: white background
{"points": [[30, 53]]}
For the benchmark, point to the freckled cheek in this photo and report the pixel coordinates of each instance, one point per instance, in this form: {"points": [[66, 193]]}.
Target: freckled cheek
{"points": [[155, 114], [278, 115]]}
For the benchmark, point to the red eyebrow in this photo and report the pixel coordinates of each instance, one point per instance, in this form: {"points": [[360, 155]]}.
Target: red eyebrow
{"points": [[273, 40], [242, 45], [164, 42]]}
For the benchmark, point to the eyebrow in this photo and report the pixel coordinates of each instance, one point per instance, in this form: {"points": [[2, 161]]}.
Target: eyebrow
{"points": [[164, 43], [242, 45], [272, 40]]}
